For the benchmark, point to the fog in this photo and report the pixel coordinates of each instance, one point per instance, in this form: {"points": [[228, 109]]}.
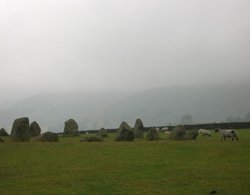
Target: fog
{"points": [[50, 45], [123, 44]]}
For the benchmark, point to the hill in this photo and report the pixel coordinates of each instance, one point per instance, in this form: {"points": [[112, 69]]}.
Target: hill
{"points": [[156, 107]]}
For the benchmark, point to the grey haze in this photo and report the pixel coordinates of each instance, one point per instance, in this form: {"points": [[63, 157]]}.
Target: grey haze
{"points": [[121, 47]]}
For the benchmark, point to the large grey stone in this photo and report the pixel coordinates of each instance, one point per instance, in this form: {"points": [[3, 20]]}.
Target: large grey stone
{"points": [[35, 129], [138, 129], [125, 133], [70, 128], [47, 137], [3, 132], [153, 134], [179, 133], [20, 129], [92, 138]]}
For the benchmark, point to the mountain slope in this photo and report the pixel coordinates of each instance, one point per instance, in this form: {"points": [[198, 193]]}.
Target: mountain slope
{"points": [[160, 106], [205, 104]]}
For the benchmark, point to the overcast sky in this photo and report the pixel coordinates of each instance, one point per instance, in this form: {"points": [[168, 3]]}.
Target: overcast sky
{"points": [[126, 44]]}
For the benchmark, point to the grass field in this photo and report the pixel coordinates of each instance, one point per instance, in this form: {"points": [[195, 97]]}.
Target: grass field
{"points": [[139, 167]]}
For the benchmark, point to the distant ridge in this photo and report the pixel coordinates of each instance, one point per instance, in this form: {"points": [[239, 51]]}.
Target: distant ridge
{"points": [[156, 107]]}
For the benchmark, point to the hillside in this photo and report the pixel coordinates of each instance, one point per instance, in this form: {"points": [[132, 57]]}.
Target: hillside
{"points": [[159, 106]]}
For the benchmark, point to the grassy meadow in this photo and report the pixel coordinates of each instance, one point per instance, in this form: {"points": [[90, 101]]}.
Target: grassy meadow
{"points": [[139, 167]]}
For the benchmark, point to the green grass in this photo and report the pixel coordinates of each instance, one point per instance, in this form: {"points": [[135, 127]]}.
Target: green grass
{"points": [[139, 167]]}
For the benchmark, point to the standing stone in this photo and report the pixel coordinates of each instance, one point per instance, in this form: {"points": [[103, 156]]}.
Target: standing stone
{"points": [[179, 133], [47, 137], [153, 134], [125, 133], [20, 130], [191, 135], [3, 132], [70, 128], [138, 129], [35, 129]]}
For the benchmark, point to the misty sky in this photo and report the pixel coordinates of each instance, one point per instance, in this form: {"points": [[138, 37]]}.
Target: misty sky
{"points": [[126, 44]]}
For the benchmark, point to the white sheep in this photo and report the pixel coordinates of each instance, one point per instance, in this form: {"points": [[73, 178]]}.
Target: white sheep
{"points": [[165, 130], [228, 133], [204, 132]]}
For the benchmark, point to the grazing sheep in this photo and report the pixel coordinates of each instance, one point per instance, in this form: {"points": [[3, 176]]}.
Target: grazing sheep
{"points": [[228, 133], [204, 132], [165, 130], [157, 129]]}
